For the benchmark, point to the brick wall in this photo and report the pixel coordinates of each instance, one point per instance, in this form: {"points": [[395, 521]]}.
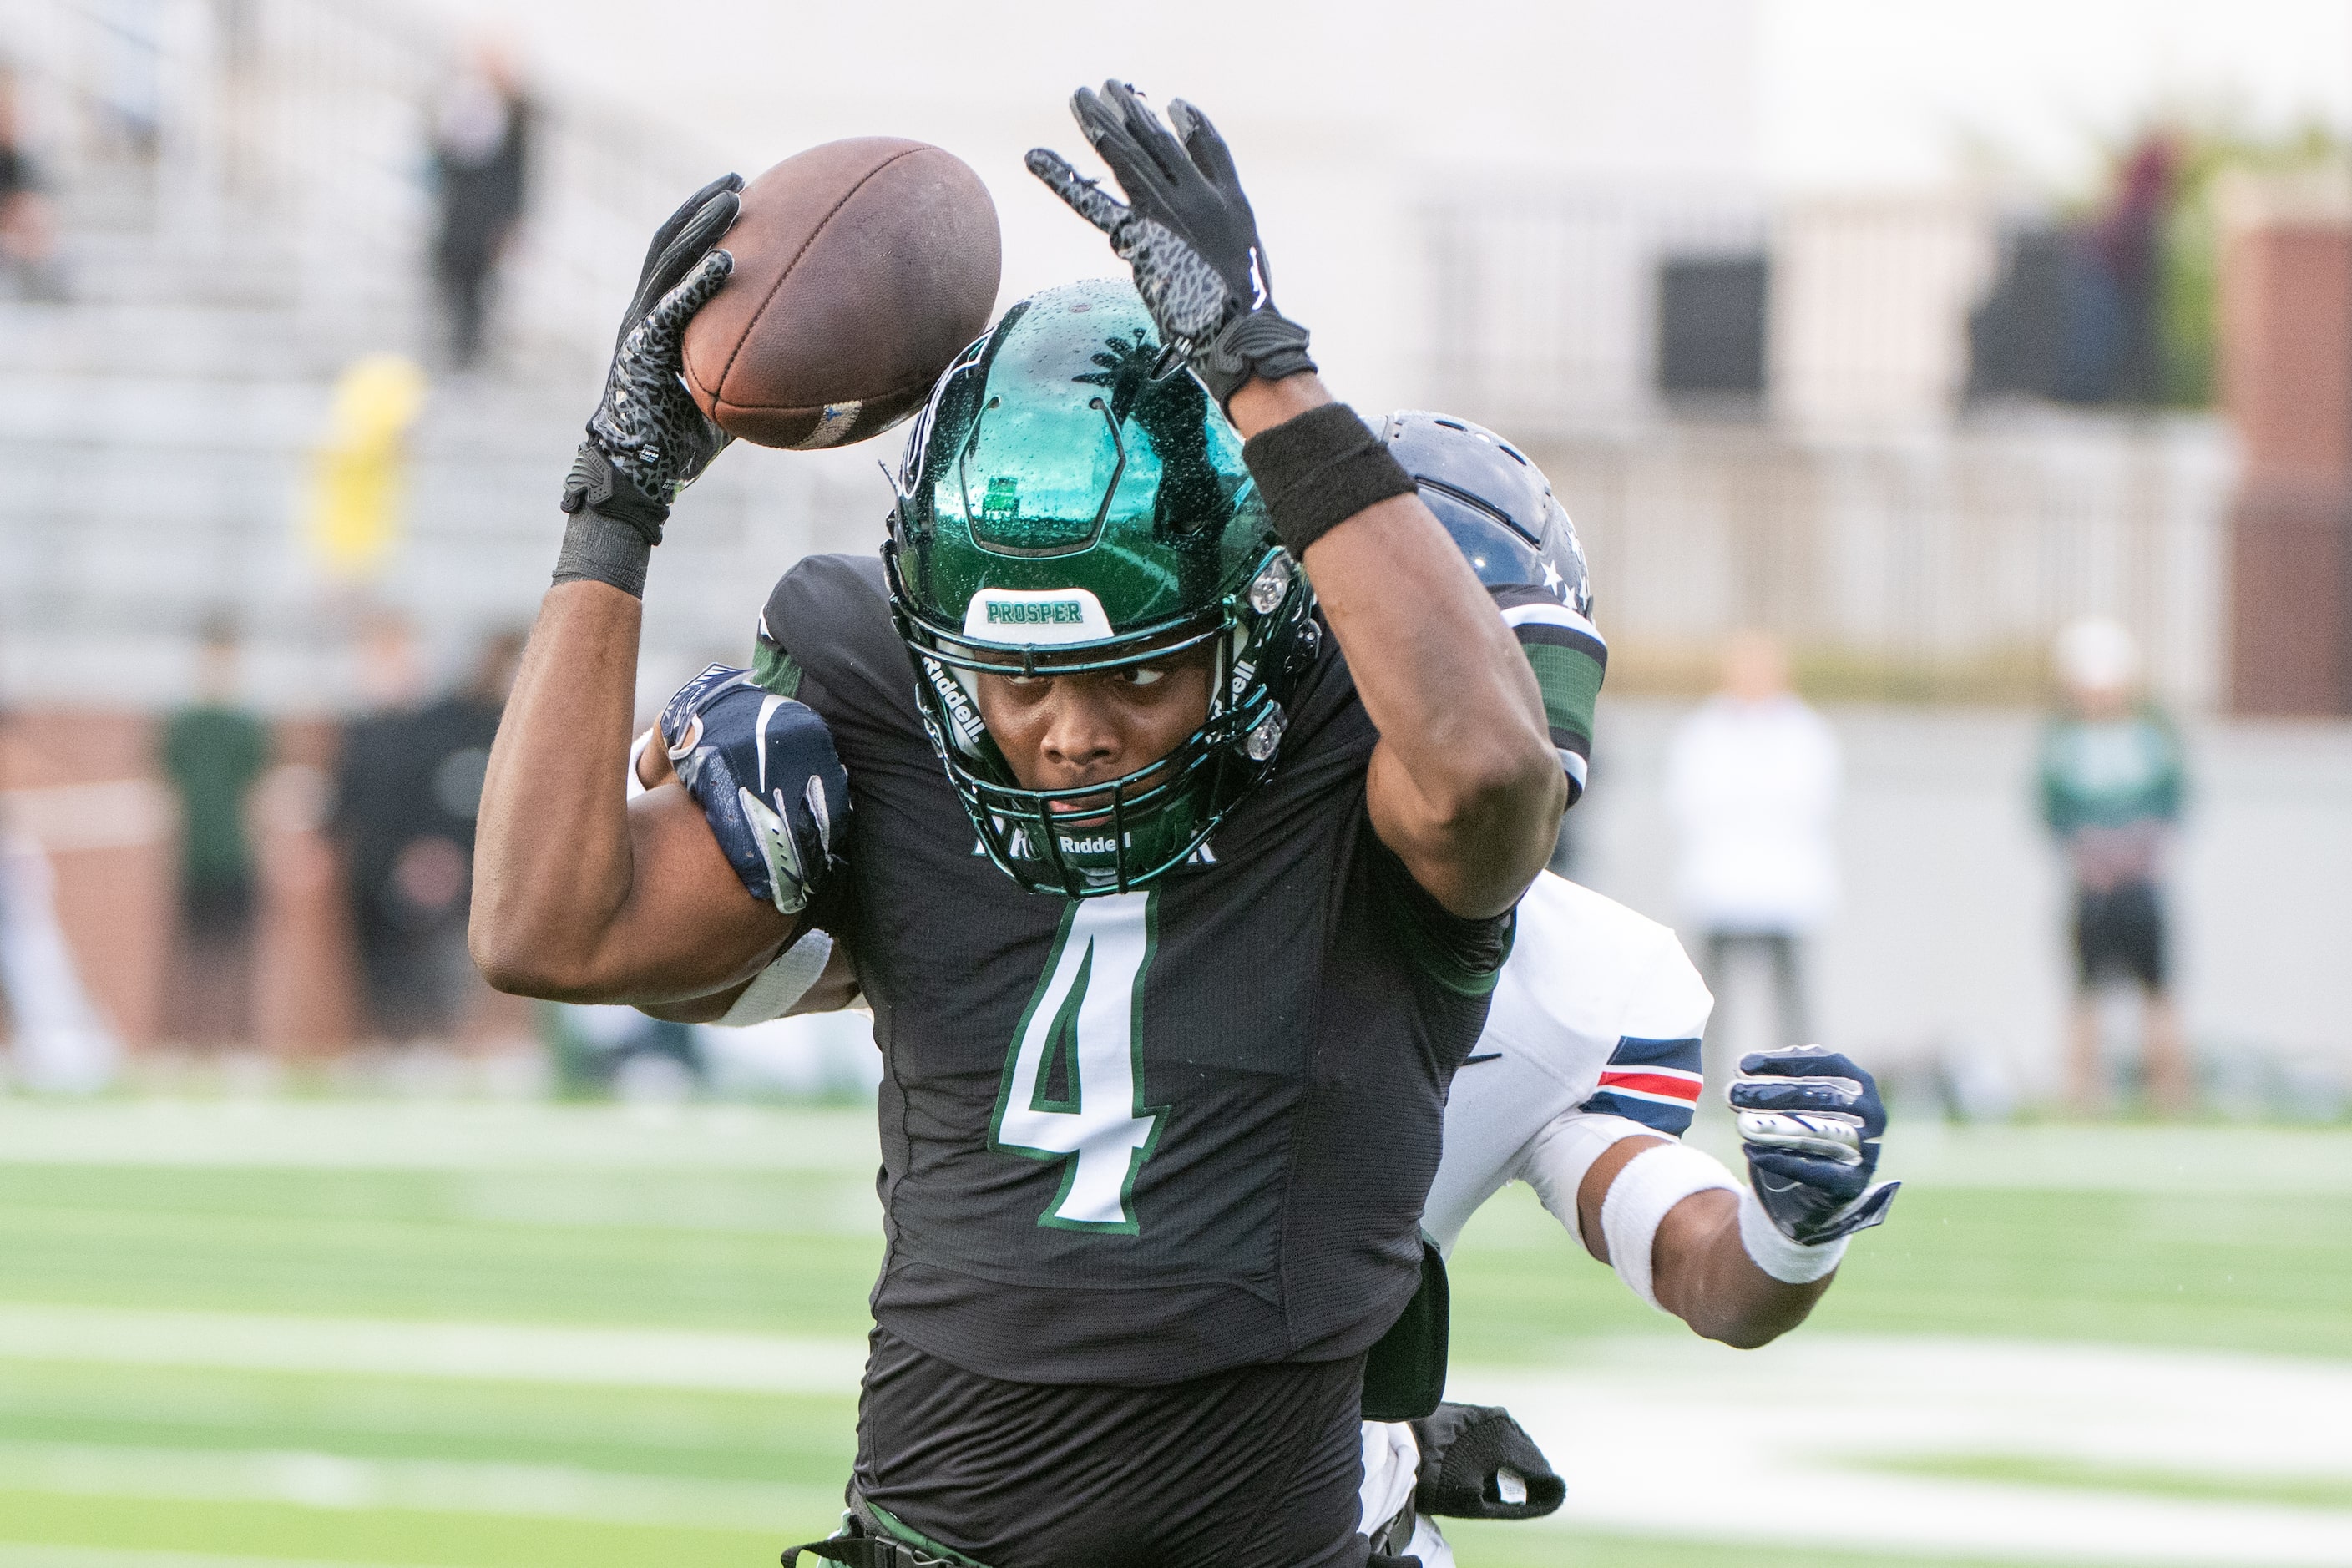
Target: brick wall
{"points": [[2286, 380], [85, 785]]}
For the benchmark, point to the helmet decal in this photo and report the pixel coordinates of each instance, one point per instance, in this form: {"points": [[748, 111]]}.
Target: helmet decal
{"points": [[1037, 618]]}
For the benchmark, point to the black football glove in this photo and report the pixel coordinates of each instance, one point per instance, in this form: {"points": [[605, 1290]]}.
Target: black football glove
{"points": [[1478, 1463], [1187, 233], [647, 440], [1809, 1121]]}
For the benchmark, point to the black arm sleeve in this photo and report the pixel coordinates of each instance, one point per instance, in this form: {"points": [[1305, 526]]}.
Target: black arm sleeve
{"points": [[1459, 953]]}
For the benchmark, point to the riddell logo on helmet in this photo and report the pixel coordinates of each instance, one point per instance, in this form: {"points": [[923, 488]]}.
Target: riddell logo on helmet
{"points": [[968, 727], [1035, 617]]}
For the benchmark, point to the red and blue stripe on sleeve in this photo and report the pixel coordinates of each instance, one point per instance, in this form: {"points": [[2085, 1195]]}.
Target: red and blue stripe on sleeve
{"points": [[1654, 1082]]}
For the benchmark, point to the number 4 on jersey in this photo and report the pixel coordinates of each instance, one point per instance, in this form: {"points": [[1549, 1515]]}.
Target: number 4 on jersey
{"points": [[1072, 1085]]}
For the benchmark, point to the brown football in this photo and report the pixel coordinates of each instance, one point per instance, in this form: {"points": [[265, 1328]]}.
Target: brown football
{"points": [[861, 269]]}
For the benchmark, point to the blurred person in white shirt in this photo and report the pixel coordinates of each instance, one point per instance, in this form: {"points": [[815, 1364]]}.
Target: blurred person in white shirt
{"points": [[1752, 784]]}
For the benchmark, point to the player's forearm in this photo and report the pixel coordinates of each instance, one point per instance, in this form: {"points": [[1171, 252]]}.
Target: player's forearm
{"points": [[1466, 787], [551, 860], [1704, 1276]]}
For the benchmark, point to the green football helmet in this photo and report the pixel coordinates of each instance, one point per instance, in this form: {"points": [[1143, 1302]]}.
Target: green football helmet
{"points": [[1069, 503]]}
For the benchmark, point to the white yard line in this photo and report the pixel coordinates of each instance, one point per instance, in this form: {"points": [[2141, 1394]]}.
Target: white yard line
{"points": [[255, 1342], [440, 1135], [19, 1555], [2195, 1160], [435, 1136], [1683, 1439], [331, 1480]]}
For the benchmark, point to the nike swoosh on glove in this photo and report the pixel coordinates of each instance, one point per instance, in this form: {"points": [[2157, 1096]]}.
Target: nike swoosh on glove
{"points": [[1809, 1122]]}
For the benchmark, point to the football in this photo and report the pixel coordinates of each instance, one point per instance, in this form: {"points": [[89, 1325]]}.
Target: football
{"points": [[861, 269]]}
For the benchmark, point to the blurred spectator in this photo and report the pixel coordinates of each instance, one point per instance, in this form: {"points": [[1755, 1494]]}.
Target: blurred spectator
{"points": [[2077, 315], [27, 227], [1752, 780], [408, 786], [481, 150], [2111, 784], [359, 481], [2126, 362], [60, 1043], [212, 752]]}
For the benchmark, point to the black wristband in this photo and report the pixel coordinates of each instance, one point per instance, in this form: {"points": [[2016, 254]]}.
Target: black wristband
{"points": [[601, 549], [1319, 471], [1262, 344], [594, 484]]}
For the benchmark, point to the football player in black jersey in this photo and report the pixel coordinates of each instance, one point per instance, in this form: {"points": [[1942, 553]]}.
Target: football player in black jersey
{"points": [[1585, 1076], [1183, 887]]}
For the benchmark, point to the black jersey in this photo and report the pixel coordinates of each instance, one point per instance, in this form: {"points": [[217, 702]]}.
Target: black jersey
{"points": [[1144, 1137]]}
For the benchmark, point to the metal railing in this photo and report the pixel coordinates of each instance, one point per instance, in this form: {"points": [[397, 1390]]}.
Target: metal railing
{"points": [[1934, 567], [1549, 306]]}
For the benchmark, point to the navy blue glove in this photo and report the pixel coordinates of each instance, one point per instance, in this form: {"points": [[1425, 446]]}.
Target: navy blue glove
{"points": [[762, 768], [1810, 1121]]}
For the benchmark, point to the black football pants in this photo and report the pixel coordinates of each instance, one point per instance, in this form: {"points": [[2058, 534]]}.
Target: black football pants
{"points": [[1255, 1467]]}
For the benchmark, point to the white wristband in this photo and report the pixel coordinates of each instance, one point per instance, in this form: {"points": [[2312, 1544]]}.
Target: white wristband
{"points": [[1646, 1190], [1558, 1157], [785, 981], [1790, 1262], [637, 784]]}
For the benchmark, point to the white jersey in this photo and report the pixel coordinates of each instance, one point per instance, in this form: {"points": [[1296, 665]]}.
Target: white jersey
{"points": [[1593, 1037], [1598, 1014]]}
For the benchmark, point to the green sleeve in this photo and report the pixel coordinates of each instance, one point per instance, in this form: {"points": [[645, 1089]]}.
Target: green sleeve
{"points": [[1568, 658], [773, 670], [2049, 786], [2172, 786]]}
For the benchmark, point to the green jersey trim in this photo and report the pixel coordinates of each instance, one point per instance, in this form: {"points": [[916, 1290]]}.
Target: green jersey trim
{"points": [[1569, 679], [774, 670], [908, 1533], [1465, 956]]}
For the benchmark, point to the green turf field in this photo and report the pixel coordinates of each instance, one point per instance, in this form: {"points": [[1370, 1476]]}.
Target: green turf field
{"points": [[513, 1336]]}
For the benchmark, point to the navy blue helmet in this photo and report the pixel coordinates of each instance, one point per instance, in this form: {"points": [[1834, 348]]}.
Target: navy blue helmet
{"points": [[1512, 530], [1495, 503]]}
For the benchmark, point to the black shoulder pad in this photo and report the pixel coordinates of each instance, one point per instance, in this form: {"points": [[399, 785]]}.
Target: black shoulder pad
{"points": [[830, 619]]}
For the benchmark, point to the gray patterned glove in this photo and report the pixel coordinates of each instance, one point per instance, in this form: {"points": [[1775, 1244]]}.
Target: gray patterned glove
{"points": [[647, 440], [1187, 233]]}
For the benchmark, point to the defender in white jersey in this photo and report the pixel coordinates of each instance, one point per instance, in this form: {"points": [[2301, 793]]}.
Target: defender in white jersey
{"points": [[1581, 1086]]}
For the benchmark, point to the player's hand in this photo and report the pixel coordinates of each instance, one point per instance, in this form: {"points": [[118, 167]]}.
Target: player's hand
{"points": [[1810, 1121], [1187, 231], [647, 440]]}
